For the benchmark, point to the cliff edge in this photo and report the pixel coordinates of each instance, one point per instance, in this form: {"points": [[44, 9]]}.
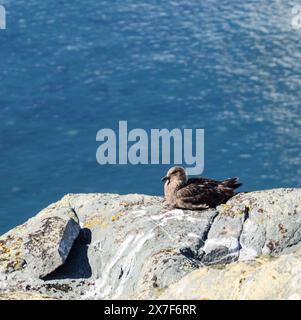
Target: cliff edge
{"points": [[109, 246]]}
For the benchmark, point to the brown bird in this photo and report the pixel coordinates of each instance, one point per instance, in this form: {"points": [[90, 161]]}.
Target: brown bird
{"points": [[196, 193]]}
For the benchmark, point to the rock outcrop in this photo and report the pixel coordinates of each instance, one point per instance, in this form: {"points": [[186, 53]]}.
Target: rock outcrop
{"points": [[264, 279], [107, 246]]}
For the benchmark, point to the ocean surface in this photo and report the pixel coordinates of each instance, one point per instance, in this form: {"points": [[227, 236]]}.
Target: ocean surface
{"points": [[70, 68]]}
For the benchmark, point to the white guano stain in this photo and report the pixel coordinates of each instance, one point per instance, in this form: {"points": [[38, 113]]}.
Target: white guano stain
{"points": [[129, 261], [105, 286], [99, 291], [231, 243], [193, 235]]}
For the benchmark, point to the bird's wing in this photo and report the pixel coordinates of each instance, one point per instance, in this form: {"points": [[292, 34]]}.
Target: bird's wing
{"points": [[228, 183], [203, 181], [204, 194]]}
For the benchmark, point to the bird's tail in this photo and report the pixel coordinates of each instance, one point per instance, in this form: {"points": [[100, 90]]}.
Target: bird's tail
{"points": [[231, 183]]}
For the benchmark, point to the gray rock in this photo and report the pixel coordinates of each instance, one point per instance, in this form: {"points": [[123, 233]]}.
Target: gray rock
{"points": [[265, 278], [48, 243], [273, 225], [134, 246], [42, 244]]}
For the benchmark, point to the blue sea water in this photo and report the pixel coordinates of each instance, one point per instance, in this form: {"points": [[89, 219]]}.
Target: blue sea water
{"points": [[70, 68]]}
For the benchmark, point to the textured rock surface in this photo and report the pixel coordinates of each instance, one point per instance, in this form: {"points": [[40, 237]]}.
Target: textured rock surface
{"points": [[262, 279], [23, 296], [48, 243], [42, 244], [133, 246]]}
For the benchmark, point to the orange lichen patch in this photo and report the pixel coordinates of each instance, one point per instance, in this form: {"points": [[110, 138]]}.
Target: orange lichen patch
{"points": [[95, 222], [11, 258], [117, 216], [3, 248]]}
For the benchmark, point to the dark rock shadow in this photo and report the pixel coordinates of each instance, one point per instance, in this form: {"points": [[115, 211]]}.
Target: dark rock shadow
{"points": [[77, 264]]}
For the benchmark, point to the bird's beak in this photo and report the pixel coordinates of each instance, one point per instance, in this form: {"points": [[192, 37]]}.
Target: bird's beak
{"points": [[164, 179]]}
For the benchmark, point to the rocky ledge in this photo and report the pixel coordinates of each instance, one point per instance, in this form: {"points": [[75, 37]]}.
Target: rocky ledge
{"points": [[108, 246]]}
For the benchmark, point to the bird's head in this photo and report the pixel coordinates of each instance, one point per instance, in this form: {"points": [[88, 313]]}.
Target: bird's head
{"points": [[177, 174]]}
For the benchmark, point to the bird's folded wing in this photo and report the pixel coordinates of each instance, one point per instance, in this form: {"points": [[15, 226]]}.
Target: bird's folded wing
{"points": [[203, 182], [199, 194], [195, 193]]}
